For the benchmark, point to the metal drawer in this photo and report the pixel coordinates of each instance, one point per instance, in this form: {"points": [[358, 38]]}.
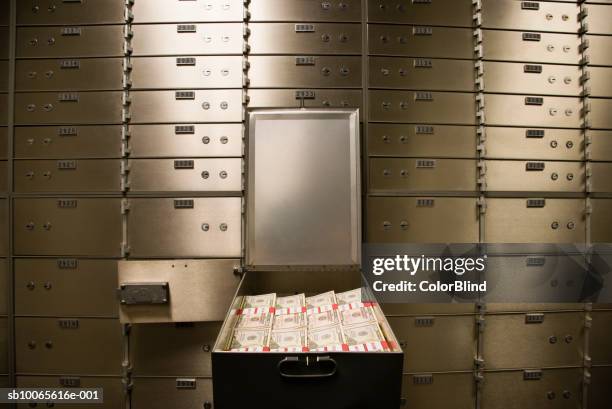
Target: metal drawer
{"points": [[201, 227], [205, 140], [537, 16], [4, 280], [543, 144], [600, 338], [58, 42], [4, 349], [68, 142], [598, 50], [184, 175], [305, 10], [186, 72], [535, 221], [155, 393], [4, 221], [560, 112], [177, 11], [531, 47], [68, 226], [422, 175], [186, 349], [68, 175], [50, 108], [50, 12], [66, 287], [3, 143], [95, 74], [600, 81], [4, 76], [599, 116], [415, 41], [601, 177], [598, 18], [423, 107], [187, 39], [599, 387], [3, 109], [68, 345], [457, 13], [439, 391], [311, 38], [304, 71], [601, 221], [519, 176], [600, 145], [439, 141], [422, 220], [292, 98], [421, 73], [186, 106], [545, 79]]}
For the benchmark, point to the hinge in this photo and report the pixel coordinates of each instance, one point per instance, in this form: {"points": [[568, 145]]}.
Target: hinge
{"points": [[125, 206]]}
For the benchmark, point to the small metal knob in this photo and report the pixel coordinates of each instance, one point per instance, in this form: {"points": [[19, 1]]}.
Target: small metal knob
{"points": [[569, 339], [555, 225], [206, 348], [551, 395], [30, 226], [223, 174], [205, 140], [552, 339], [30, 285], [205, 227], [48, 344], [32, 344], [223, 227], [224, 139], [48, 285], [386, 225], [554, 176], [205, 174]]}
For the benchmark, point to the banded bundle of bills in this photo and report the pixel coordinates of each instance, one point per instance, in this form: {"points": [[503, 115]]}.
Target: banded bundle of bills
{"points": [[321, 300], [349, 297], [364, 337], [289, 321], [293, 340], [291, 302], [326, 339], [323, 319], [250, 340], [263, 301], [357, 316]]}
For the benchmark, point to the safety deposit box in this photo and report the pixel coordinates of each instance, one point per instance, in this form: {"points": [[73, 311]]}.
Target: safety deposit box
{"points": [[304, 10], [545, 79], [304, 98], [439, 390], [53, 13], [601, 220], [600, 145], [601, 337], [599, 389], [534, 143], [159, 11], [539, 15], [451, 13], [534, 176], [599, 49]]}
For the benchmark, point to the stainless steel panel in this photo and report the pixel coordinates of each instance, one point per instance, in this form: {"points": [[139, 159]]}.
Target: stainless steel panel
{"points": [[432, 42], [518, 78], [195, 39], [600, 145], [304, 71], [601, 220], [36, 142], [3, 109], [422, 175], [600, 338], [423, 107], [600, 117], [205, 140], [600, 81], [560, 112], [155, 393], [516, 176], [305, 10], [515, 221], [169, 106], [599, 387], [4, 76], [413, 220], [598, 18], [4, 280], [3, 142], [69, 75], [514, 46], [89, 175], [66, 287], [289, 98], [524, 143], [211, 228], [537, 16], [601, 177], [57, 42], [50, 12], [185, 175], [68, 226], [49, 108], [446, 390], [163, 11], [68, 345], [598, 50], [4, 221], [4, 348], [315, 38], [456, 13]]}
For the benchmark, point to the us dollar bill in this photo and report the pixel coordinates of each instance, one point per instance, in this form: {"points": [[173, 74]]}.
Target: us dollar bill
{"points": [[325, 337], [291, 301], [259, 301], [357, 316], [349, 297], [249, 338], [289, 321], [321, 300], [294, 339], [323, 319], [363, 334], [255, 321]]}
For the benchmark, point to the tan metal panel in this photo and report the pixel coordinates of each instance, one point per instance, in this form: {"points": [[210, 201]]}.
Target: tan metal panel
{"points": [[3, 109], [537, 16], [211, 227], [524, 143], [427, 309], [311, 38], [601, 337], [68, 345], [422, 220], [50, 12], [423, 106], [4, 221], [57, 42], [600, 113], [68, 175], [545, 79], [183, 175], [49, 108], [288, 98], [155, 393], [599, 387], [600, 145], [601, 220], [48, 142], [598, 50], [598, 18], [4, 76], [4, 279], [515, 221], [163, 11], [304, 71], [69, 75], [456, 13], [3, 176], [518, 176], [66, 287], [4, 349], [432, 42], [601, 177], [515, 46], [204, 140], [201, 106], [422, 175], [3, 142], [439, 391], [305, 10], [510, 390], [68, 226], [561, 112], [600, 81], [187, 39]]}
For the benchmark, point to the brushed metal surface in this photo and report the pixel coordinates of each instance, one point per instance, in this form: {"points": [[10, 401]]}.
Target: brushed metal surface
{"points": [[321, 38], [4, 42], [601, 177], [4, 65], [59, 288], [49, 42], [3, 109], [599, 116], [598, 18], [95, 74], [183, 232], [286, 98], [599, 388], [5, 8], [407, 107], [93, 347], [456, 390], [305, 10], [516, 143], [512, 15], [319, 72], [4, 220], [47, 108], [4, 349], [88, 175], [599, 50], [51, 12], [209, 38], [403, 220], [394, 175], [156, 392], [4, 176], [600, 81], [512, 78], [207, 140], [601, 220], [92, 228], [454, 13], [513, 176], [601, 337], [4, 303], [3, 142], [511, 221], [48, 142], [600, 145], [175, 11], [443, 42], [206, 106], [560, 112]]}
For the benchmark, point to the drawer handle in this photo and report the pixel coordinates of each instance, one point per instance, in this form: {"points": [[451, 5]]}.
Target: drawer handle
{"points": [[309, 368]]}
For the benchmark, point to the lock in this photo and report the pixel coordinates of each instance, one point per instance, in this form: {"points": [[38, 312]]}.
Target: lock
{"points": [[30, 285], [404, 225], [555, 225], [325, 71], [206, 105], [224, 140], [224, 105], [48, 285], [47, 226], [553, 339], [223, 174], [554, 144], [205, 174], [554, 176], [386, 225], [223, 227], [571, 225], [569, 144], [48, 344], [205, 140], [30, 226], [205, 227], [570, 176], [49, 74]]}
